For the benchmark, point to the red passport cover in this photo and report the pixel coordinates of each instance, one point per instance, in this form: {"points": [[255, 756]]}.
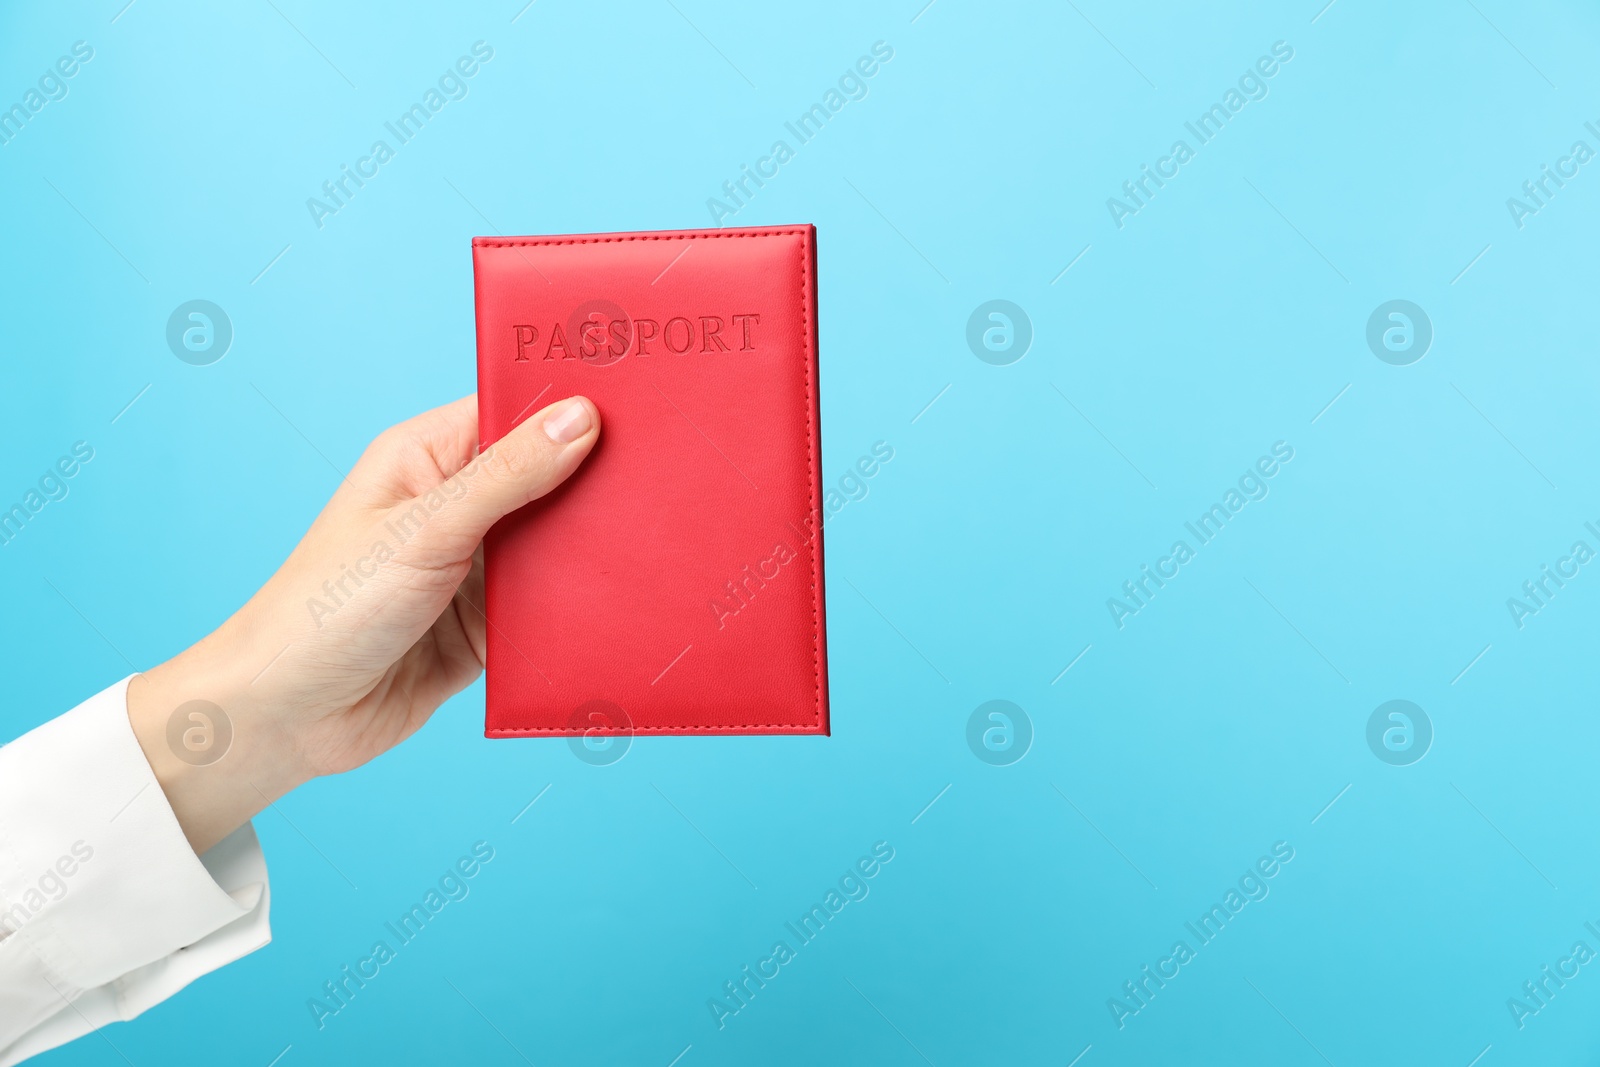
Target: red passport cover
{"points": [[674, 584]]}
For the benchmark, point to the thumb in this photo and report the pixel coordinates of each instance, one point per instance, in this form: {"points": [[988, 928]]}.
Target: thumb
{"points": [[524, 465]]}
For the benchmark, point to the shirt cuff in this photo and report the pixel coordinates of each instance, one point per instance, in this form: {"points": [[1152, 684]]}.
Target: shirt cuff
{"points": [[105, 910]]}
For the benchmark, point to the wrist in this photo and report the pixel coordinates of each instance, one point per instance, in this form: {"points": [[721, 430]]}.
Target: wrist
{"points": [[216, 752]]}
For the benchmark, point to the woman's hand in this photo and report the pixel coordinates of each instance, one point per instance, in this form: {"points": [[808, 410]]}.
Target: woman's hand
{"points": [[373, 621]]}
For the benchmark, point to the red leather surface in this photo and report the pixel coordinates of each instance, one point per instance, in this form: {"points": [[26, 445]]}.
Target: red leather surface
{"points": [[674, 584]]}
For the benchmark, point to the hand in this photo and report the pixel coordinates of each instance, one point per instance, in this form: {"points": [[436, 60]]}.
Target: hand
{"points": [[373, 621]]}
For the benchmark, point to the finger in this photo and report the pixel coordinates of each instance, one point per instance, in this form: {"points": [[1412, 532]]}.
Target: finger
{"points": [[521, 467]]}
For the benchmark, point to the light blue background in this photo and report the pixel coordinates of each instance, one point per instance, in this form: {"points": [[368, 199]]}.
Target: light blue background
{"points": [[1222, 318]]}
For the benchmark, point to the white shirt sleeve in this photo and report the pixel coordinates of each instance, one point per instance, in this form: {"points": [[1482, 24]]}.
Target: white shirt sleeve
{"points": [[105, 910]]}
